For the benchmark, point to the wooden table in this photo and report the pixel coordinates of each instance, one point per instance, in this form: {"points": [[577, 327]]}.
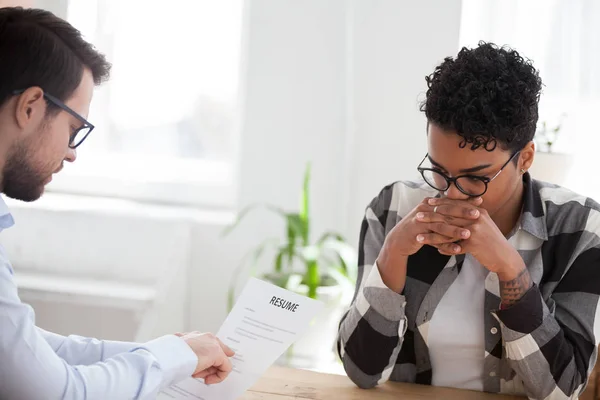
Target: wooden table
{"points": [[286, 384]]}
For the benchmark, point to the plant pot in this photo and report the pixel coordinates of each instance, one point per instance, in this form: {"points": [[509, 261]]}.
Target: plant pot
{"points": [[317, 346], [552, 167]]}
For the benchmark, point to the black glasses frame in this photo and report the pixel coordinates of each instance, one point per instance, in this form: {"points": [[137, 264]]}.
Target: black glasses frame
{"points": [[85, 123], [450, 180]]}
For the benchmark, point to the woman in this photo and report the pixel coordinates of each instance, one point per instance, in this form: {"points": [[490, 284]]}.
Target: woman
{"points": [[479, 277]]}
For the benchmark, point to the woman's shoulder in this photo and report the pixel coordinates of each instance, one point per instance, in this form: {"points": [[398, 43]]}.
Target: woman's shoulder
{"points": [[561, 205]]}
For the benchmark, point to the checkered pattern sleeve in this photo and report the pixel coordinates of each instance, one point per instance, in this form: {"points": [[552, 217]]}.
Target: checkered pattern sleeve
{"points": [[371, 332], [552, 344]]}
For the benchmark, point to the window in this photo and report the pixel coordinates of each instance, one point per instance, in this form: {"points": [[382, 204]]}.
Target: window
{"points": [[166, 122], [563, 40]]}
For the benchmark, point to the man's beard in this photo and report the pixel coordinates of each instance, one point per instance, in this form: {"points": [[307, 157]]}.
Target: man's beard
{"points": [[20, 180]]}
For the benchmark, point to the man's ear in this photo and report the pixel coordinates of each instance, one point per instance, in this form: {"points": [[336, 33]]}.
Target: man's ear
{"points": [[527, 156], [30, 107]]}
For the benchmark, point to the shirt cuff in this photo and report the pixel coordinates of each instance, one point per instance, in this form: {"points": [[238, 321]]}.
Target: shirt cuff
{"points": [[381, 298], [526, 315], [113, 348], [177, 360]]}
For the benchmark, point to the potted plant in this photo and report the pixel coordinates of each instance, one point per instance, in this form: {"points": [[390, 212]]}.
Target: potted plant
{"points": [[324, 269], [549, 165]]}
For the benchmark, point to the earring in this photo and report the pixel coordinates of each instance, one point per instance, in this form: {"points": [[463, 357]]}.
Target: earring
{"points": [[523, 170]]}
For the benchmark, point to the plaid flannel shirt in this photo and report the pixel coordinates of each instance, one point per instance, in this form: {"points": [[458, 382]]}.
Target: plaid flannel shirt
{"points": [[544, 346]]}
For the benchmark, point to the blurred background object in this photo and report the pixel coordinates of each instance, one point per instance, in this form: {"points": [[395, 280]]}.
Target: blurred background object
{"points": [[324, 269]]}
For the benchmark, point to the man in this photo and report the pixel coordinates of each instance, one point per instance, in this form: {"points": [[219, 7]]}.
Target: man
{"points": [[47, 76], [480, 277]]}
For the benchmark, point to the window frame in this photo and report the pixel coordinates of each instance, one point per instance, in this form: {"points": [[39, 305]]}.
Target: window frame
{"points": [[174, 181]]}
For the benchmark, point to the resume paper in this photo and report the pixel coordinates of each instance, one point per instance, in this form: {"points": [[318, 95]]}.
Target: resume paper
{"points": [[264, 322]]}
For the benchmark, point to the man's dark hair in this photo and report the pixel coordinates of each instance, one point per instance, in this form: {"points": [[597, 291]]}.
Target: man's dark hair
{"points": [[39, 49], [488, 95]]}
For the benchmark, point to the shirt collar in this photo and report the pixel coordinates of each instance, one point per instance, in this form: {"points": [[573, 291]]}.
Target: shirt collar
{"points": [[533, 219], [6, 218]]}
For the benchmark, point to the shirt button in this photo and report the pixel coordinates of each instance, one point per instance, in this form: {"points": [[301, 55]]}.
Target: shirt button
{"points": [[492, 373], [494, 330]]}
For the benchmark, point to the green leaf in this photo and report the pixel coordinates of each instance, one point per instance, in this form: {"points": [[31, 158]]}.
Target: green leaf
{"points": [[279, 258], [312, 279], [246, 210], [330, 235], [310, 253], [294, 282], [295, 233], [304, 206], [254, 255], [347, 256]]}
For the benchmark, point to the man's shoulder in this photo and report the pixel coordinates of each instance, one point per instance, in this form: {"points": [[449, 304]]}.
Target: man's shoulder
{"points": [[400, 197]]}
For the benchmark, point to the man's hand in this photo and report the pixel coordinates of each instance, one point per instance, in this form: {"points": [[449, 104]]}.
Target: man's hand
{"points": [[213, 356], [484, 241]]}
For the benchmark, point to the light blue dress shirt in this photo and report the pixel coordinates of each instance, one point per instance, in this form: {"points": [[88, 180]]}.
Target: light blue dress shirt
{"points": [[36, 365]]}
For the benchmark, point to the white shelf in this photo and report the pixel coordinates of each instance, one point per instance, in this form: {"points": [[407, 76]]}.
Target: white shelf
{"points": [[34, 286]]}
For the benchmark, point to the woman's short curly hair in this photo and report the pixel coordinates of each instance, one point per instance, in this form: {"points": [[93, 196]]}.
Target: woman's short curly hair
{"points": [[488, 95]]}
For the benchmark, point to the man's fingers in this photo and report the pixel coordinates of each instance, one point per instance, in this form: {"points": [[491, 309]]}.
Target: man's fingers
{"points": [[216, 378], [221, 372], [203, 374], [218, 372], [225, 365], [226, 349]]}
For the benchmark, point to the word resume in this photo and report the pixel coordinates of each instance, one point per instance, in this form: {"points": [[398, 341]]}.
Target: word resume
{"points": [[265, 321]]}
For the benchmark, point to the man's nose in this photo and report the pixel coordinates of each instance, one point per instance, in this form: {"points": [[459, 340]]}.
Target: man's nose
{"points": [[71, 155]]}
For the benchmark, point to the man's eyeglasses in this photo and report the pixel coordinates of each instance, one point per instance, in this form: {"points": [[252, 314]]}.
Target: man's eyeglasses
{"points": [[80, 134], [471, 185]]}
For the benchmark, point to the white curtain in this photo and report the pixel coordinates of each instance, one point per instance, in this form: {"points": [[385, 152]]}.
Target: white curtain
{"points": [[562, 37]]}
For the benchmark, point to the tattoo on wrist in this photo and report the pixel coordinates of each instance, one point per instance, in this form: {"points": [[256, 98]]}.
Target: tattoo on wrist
{"points": [[512, 291]]}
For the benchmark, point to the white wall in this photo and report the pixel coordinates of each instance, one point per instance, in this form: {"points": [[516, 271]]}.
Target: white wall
{"points": [[17, 3], [343, 94], [334, 82], [397, 43]]}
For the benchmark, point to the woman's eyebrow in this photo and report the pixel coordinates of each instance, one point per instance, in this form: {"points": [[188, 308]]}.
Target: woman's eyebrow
{"points": [[462, 171]]}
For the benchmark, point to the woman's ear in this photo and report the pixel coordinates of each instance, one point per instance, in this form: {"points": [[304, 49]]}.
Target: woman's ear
{"points": [[526, 157]]}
